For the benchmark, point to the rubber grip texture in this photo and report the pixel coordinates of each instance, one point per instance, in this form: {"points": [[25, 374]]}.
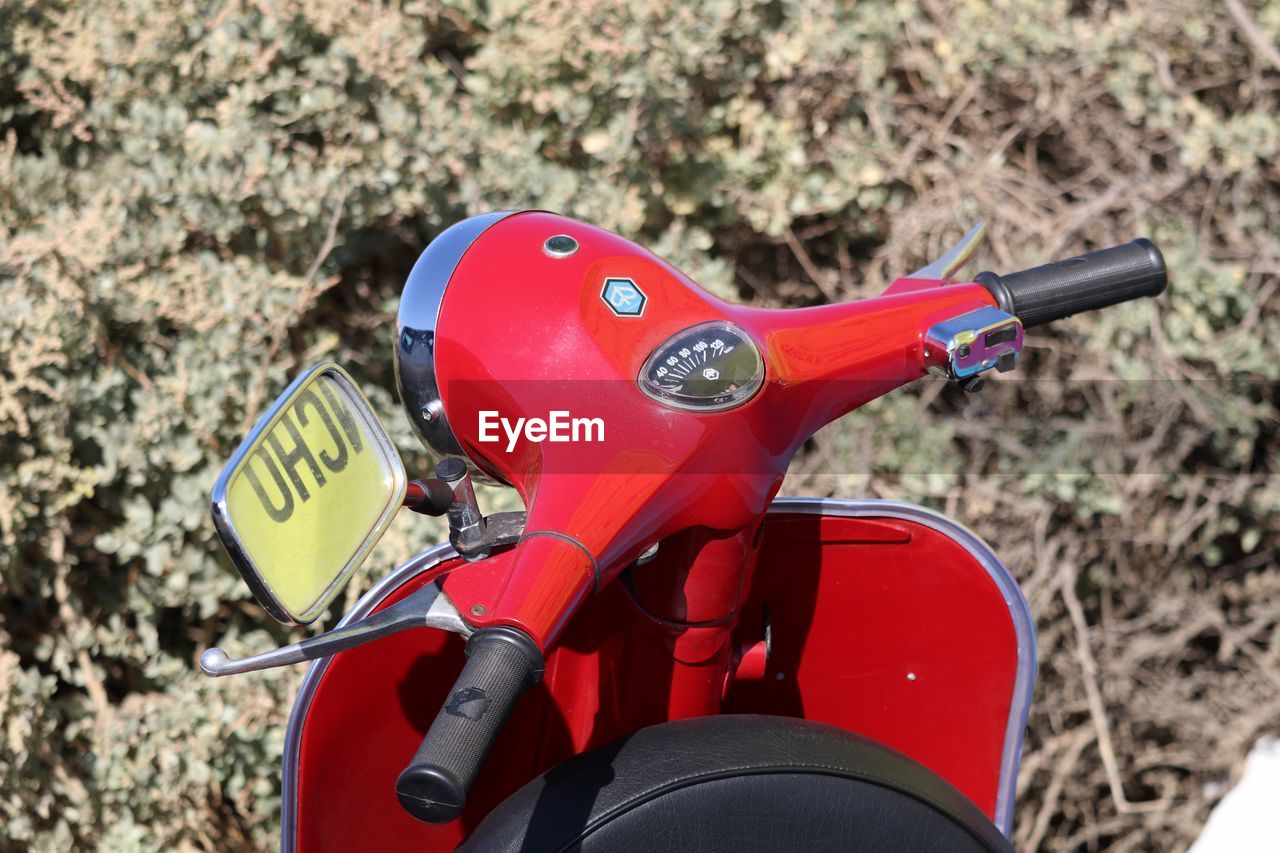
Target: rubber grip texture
{"points": [[501, 664], [1096, 280]]}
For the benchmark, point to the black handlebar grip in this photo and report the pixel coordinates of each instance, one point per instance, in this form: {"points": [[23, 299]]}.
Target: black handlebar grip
{"points": [[501, 664], [1096, 280]]}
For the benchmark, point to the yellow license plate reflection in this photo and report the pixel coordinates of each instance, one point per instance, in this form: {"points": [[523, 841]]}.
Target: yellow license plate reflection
{"points": [[312, 492]]}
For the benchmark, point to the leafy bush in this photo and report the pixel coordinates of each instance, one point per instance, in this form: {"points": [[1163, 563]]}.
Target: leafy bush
{"points": [[197, 199]]}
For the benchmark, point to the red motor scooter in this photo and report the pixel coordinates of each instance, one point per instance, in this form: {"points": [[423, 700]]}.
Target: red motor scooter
{"points": [[657, 655]]}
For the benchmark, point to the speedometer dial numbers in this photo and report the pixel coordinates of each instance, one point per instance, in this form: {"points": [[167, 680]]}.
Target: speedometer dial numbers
{"points": [[706, 368]]}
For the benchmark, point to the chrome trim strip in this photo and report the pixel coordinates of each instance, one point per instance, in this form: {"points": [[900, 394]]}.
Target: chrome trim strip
{"points": [[1023, 624], [1024, 631], [416, 323], [403, 573]]}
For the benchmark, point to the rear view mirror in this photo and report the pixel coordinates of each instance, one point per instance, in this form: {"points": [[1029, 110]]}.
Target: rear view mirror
{"points": [[307, 494]]}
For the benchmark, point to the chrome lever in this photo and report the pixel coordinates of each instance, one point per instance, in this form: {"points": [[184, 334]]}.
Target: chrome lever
{"points": [[429, 607], [953, 258]]}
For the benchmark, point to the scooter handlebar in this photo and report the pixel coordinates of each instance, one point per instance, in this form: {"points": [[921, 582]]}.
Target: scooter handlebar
{"points": [[502, 663], [1095, 280]]}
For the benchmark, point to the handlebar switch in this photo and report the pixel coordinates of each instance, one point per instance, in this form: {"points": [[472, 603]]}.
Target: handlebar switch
{"points": [[973, 343]]}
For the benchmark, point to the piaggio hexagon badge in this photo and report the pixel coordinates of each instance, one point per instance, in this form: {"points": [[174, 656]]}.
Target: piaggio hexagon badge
{"points": [[624, 297]]}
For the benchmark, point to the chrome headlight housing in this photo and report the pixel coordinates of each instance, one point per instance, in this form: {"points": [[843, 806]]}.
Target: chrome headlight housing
{"points": [[416, 325]]}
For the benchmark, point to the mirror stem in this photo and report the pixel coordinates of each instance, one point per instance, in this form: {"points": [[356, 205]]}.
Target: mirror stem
{"points": [[466, 523], [428, 497]]}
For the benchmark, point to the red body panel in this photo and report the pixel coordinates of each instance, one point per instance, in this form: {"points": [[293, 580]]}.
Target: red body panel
{"points": [[857, 606], [894, 638], [889, 628], [549, 342]]}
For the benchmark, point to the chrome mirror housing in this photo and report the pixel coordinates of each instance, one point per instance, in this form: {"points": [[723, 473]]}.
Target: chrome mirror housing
{"points": [[416, 325]]}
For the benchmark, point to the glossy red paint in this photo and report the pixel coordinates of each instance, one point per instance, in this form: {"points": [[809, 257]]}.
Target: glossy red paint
{"points": [[372, 701], [888, 629], [856, 606], [535, 587], [557, 346]]}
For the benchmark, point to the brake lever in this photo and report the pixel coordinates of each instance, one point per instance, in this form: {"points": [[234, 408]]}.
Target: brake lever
{"points": [[428, 607], [954, 258]]}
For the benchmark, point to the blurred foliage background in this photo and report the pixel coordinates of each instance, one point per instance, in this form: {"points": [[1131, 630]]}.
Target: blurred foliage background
{"points": [[199, 198]]}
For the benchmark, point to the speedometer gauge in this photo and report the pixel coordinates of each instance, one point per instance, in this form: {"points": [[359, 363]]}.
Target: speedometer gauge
{"points": [[705, 368]]}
